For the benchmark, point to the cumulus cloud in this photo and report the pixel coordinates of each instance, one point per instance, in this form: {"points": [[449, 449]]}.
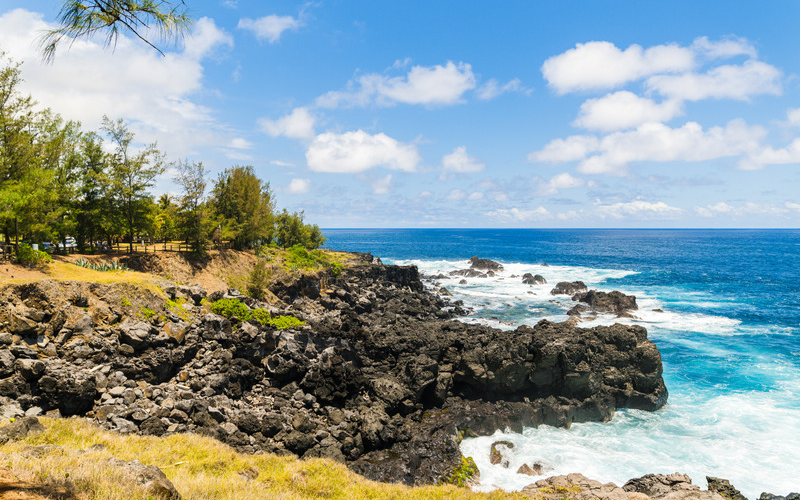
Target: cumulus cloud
{"points": [[793, 115], [299, 186], [520, 215], [746, 209], [299, 124], [601, 65], [768, 155], [637, 208], [240, 143], [158, 91], [475, 196], [492, 88], [557, 183], [654, 142], [622, 110], [722, 82], [270, 28], [456, 194], [425, 85], [459, 162], [359, 151]]}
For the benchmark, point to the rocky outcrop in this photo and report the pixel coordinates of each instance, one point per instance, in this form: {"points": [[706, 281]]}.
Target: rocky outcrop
{"points": [[484, 264], [567, 288], [652, 486], [613, 302], [530, 279], [381, 377]]}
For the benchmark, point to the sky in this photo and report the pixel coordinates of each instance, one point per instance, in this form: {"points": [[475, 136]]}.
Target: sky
{"points": [[580, 114]]}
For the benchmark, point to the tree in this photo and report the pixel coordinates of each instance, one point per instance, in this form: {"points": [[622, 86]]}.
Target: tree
{"points": [[93, 200], [290, 231], [86, 18], [194, 220], [244, 207], [130, 174]]}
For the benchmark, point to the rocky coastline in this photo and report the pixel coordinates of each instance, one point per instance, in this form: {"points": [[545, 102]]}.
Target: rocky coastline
{"points": [[382, 376]]}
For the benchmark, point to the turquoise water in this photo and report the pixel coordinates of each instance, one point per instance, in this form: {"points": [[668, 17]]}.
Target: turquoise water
{"points": [[729, 335]]}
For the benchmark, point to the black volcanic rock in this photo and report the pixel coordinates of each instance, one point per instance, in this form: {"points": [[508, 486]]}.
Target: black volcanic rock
{"points": [[484, 264], [567, 288], [380, 376], [613, 302]]}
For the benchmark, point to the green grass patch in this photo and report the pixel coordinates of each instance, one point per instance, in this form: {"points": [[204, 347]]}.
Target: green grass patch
{"points": [[233, 309]]}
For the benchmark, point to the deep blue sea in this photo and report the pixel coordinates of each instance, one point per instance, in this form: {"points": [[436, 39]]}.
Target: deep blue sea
{"points": [[729, 337]]}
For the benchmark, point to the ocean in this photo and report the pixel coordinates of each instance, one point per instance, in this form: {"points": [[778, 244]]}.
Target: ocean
{"points": [[721, 305]]}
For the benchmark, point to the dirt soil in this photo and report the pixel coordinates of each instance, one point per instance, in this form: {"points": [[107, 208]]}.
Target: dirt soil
{"points": [[21, 486], [217, 271]]}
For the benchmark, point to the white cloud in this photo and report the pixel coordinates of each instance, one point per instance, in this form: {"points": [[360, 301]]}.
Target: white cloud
{"points": [[459, 162], [726, 48], [793, 115], [601, 65], [358, 151], [573, 148], [240, 143], [492, 88], [722, 82], [475, 196], [637, 208], [299, 186], [768, 155], [381, 185], [654, 142], [622, 110], [299, 124], [152, 93], [517, 215], [270, 28], [456, 194], [280, 163], [746, 209], [426, 85], [559, 182]]}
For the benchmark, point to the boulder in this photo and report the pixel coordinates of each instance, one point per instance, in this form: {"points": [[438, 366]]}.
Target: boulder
{"points": [[20, 428], [613, 302], [724, 487], [484, 264], [567, 288], [150, 477], [530, 279], [496, 455]]}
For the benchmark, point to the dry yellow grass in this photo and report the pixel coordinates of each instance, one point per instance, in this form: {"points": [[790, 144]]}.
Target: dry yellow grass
{"points": [[199, 467]]}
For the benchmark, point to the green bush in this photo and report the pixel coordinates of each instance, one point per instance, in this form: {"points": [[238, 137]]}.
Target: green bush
{"points": [[26, 255], [230, 308], [258, 280], [299, 257], [283, 322], [262, 316], [464, 474]]}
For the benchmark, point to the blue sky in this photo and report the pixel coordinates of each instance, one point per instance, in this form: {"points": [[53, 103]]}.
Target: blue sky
{"points": [[462, 114]]}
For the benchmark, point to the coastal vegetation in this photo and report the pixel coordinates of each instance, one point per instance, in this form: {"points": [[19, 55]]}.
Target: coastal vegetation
{"points": [[198, 466], [93, 189]]}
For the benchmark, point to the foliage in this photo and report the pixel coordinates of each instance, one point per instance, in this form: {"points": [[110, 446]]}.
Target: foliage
{"points": [[101, 266], [464, 475], [126, 302], [231, 308], [194, 221], [284, 322], [291, 231], [258, 280], [27, 255], [299, 257], [85, 18], [147, 312], [244, 207]]}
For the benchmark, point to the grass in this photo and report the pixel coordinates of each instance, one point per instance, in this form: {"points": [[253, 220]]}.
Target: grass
{"points": [[200, 468]]}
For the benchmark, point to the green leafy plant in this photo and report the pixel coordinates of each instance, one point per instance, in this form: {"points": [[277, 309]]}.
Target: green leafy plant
{"points": [[231, 308], [147, 312], [284, 322], [262, 316], [126, 302], [26, 255], [102, 266]]}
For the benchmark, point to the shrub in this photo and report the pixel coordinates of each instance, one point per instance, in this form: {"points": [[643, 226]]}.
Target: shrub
{"points": [[464, 474], [26, 255], [258, 280], [147, 312], [231, 308], [262, 316], [283, 322]]}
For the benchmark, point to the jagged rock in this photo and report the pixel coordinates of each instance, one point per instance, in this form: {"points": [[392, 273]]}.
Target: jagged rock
{"points": [[484, 264], [496, 456], [150, 477], [567, 288], [19, 429], [467, 273], [530, 279], [527, 470], [660, 485], [576, 487], [770, 496], [725, 488], [134, 333], [614, 302]]}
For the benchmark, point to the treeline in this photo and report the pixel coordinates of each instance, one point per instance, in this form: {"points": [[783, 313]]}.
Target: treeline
{"points": [[57, 180]]}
